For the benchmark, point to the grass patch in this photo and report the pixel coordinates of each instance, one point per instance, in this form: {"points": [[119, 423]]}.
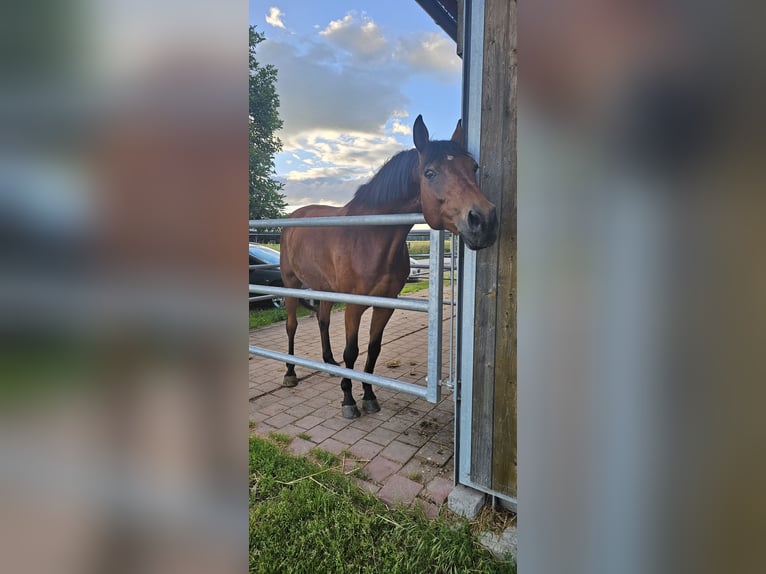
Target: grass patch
{"points": [[304, 435], [263, 317], [324, 458], [309, 518], [280, 438], [412, 287], [424, 247]]}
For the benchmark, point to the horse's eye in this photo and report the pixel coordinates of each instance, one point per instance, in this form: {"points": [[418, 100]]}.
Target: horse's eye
{"points": [[429, 174]]}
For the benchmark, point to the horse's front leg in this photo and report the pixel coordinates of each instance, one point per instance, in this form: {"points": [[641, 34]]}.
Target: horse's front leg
{"points": [[353, 317], [380, 319]]}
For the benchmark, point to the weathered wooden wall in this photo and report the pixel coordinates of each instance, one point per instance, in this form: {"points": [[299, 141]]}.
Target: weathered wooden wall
{"points": [[493, 429]]}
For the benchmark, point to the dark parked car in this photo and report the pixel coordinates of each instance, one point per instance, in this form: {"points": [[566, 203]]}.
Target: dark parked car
{"points": [[260, 255]]}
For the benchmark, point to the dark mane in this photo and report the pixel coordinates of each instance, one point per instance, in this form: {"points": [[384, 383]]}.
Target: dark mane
{"points": [[393, 183]]}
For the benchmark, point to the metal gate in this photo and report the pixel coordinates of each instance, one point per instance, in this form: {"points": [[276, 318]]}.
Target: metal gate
{"points": [[433, 306]]}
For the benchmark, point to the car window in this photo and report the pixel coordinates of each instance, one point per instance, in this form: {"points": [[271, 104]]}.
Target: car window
{"points": [[265, 254]]}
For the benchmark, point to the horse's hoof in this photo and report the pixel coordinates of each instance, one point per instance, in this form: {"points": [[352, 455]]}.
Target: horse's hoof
{"points": [[370, 406], [350, 412], [289, 381]]}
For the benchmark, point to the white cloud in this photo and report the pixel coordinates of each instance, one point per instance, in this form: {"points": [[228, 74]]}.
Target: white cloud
{"points": [[432, 53], [360, 37], [315, 93], [338, 164], [399, 128], [274, 17]]}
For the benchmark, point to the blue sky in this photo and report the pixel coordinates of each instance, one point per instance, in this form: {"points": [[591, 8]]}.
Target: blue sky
{"points": [[353, 76]]}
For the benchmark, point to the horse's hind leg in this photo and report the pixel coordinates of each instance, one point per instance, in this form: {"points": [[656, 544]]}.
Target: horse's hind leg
{"points": [[353, 317], [323, 317], [291, 304], [380, 319]]}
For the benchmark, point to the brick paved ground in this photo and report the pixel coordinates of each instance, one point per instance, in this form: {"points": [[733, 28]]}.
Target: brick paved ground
{"points": [[405, 450]]}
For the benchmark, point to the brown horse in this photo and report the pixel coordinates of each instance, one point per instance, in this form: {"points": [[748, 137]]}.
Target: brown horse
{"points": [[437, 178]]}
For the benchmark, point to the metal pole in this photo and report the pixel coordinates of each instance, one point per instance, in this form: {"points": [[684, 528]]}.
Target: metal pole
{"points": [[473, 61], [404, 303], [435, 297], [340, 221], [384, 382]]}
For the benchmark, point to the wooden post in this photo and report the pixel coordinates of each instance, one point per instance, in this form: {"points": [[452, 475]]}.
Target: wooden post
{"points": [[493, 441]]}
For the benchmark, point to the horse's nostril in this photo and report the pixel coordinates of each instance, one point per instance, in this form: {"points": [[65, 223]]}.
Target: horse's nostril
{"points": [[474, 220]]}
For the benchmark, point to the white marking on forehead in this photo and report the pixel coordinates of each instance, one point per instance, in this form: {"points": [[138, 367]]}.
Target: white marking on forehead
{"points": [[450, 157]]}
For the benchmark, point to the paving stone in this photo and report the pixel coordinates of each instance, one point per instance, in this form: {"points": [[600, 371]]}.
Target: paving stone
{"points": [[270, 409], [438, 489], [280, 420], [333, 446], [257, 417], [298, 446], [419, 472], [380, 468], [413, 437], [381, 436], [367, 423], [397, 424], [290, 430], [320, 433], [399, 490], [337, 422], [434, 454], [365, 449], [399, 452], [350, 434], [282, 392], [301, 411], [445, 438], [293, 401], [309, 421]]}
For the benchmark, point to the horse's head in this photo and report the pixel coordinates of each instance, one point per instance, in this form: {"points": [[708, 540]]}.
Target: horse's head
{"points": [[449, 195]]}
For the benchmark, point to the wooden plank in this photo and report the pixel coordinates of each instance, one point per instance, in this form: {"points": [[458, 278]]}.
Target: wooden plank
{"points": [[500, 73]]}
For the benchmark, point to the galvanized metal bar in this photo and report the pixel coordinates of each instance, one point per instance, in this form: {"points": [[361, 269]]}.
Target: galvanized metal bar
{"points": [[473, 62], [452, 313], [404, 303], [385, 382], [340, 221], [435, 298]]}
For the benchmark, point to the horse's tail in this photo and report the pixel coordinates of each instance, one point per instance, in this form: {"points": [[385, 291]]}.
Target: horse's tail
{"points": [[308, 305]]}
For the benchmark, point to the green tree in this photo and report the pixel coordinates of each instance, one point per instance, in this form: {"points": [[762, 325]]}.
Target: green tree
{"points": [[266, 201]]}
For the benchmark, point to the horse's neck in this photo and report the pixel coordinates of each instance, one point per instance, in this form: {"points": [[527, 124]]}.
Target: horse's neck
{"points": [[354, 208]]}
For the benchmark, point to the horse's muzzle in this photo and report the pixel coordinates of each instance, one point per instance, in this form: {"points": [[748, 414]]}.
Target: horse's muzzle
{"points": [[479, 230]]}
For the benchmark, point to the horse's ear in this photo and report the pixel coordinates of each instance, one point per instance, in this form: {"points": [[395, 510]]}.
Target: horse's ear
{"points": [[457, 135], [420, 134]]}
